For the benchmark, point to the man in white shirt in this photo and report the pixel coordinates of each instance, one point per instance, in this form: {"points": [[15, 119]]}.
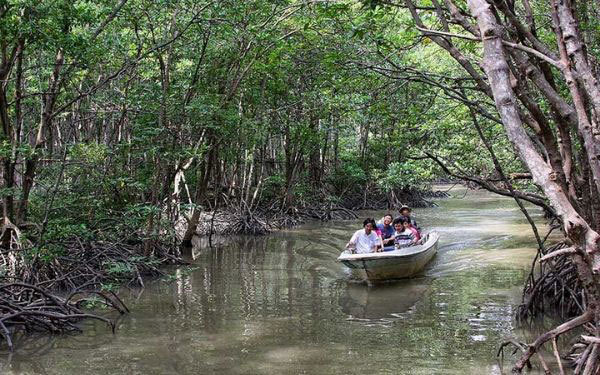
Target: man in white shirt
{"points": [[364, 240]]}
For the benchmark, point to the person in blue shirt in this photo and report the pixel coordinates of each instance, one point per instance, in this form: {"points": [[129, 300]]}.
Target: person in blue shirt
{"points": [[387, 230]]}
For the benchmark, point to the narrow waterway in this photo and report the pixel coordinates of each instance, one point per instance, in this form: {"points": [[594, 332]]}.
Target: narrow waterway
{"points": [[281, 304]]}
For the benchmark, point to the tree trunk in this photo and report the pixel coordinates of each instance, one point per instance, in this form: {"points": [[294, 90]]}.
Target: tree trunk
{"points": [[576, 228], [199, 197], [45, 122]]}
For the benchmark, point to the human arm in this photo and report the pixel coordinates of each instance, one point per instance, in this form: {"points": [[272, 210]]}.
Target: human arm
{"points": [[396, 244], [352, 243], [375, 242], [404, 239], [416, 233], [379, 240], [415, 225]]}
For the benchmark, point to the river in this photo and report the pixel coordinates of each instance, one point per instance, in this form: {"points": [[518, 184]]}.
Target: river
{"points": [[281, 304]]}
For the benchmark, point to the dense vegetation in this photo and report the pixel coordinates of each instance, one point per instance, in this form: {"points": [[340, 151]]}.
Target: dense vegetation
{"points": [[128, 115], [132, 122]]}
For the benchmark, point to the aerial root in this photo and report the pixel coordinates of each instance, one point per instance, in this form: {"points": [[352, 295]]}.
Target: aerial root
{"points": [[529, 350], [584, 353], [262, 221], [78, 269], [85, 265], [240, 217], [557, 285], [553, 281], [31, 308]]}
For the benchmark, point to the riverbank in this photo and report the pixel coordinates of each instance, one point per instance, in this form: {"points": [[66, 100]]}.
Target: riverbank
{"points": [[51, 290], [269, 218]]}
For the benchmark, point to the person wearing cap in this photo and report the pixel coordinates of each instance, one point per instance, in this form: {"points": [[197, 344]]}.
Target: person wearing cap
{"points": [[405, 212]]}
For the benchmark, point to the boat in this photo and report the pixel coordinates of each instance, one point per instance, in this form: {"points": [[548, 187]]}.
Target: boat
{"points": [[395, 264]]}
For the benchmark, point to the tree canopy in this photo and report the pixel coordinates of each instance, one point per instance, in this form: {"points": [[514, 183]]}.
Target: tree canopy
{"points": [[128, 117]]}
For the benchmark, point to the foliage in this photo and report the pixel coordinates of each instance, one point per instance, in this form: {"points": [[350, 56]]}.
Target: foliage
{"points": [[158, 109]]}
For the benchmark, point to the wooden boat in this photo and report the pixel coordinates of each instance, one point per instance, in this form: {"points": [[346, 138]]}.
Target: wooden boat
{"points": [[395, 264]]}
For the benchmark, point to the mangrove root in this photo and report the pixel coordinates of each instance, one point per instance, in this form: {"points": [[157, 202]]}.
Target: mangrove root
{"points": [[31, 308]]}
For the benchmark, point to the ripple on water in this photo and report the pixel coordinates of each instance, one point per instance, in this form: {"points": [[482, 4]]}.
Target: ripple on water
{"points": [[280, 304]]}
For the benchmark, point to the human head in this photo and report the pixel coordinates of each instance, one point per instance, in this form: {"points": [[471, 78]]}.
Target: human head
{"points": [[387, 219], [405, 211], [406, 224], [374, 225], [368, 224], [398, 224]]}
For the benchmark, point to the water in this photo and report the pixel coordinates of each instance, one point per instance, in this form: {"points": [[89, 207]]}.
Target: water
{"points": [[280, 304]]}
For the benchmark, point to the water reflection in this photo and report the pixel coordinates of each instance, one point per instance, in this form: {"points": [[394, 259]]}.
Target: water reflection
{"points": [[281, 305], [382, 301]]}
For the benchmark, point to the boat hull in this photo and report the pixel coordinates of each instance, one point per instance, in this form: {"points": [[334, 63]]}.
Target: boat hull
{"points": [[397, 264]]}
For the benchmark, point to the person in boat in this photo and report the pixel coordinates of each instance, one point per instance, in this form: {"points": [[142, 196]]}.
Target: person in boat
{"points": [[386, 230], [364, 240], [379, 235], [403, 236], [405, 212], [414, 231]]}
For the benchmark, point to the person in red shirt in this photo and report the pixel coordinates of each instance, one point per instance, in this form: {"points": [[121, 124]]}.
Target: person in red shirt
{"points": [[415, 232]]}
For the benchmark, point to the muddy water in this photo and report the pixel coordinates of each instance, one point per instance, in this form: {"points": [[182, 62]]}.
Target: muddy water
{"points": [[282, 305]]}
